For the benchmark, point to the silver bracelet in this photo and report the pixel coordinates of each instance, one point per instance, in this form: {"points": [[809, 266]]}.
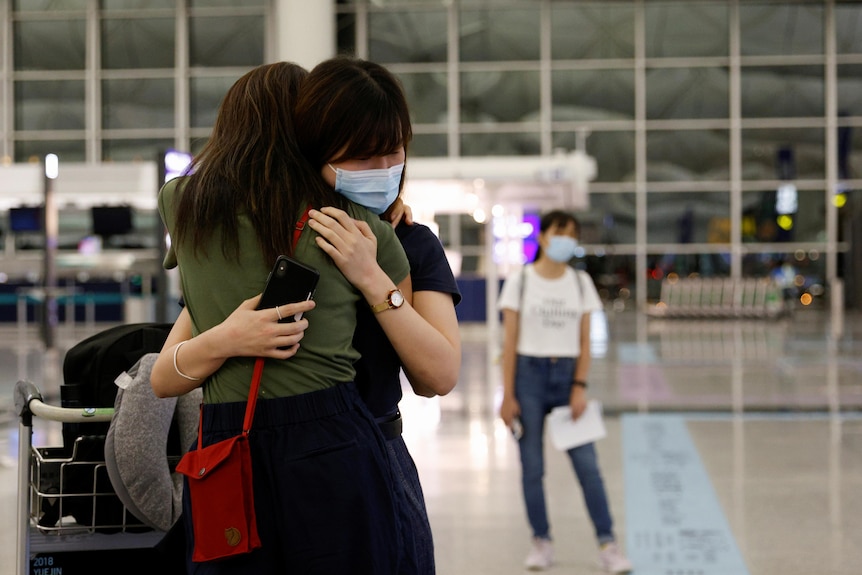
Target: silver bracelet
{"points": [[176, 368]]}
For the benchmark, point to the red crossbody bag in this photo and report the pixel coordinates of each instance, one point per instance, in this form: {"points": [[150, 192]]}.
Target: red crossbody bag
{"points": [[221, 490], [220, 482]]}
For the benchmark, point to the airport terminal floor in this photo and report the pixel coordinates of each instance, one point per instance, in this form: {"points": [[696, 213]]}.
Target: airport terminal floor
{"points": [[732, 448]]}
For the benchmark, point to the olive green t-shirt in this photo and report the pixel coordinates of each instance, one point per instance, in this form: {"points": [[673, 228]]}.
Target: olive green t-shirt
{"points": [[213, 287]]}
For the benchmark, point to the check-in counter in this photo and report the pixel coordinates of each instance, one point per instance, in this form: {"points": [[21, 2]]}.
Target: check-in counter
{"points": [[115, 273]]}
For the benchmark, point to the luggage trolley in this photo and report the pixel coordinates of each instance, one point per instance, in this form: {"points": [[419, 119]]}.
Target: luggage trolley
{"points": [[50, 542]]}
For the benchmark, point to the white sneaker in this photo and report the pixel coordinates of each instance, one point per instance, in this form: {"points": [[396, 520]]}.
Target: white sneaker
{"points": [[613, 560], [541, 555]]}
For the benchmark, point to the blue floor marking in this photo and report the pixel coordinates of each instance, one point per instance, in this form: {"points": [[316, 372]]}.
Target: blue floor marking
{"points": [[637, 353], [749, 416], [674, 523]]}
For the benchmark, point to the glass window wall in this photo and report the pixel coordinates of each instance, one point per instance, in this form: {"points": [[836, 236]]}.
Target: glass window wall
{"points": [[593, 95], [592, 30], [217, 41], [499, 97], [783, 91], [111, 5], [501, 144], [206, 95], [647, 88], [429, 145], [493, 34], [688, 155], [614, 152], [49, 105], [36, 150], [138, 43], [131, 150], [687, 93], [48, 5], [50, 44], [408, 36], [610, 219], [781, 28], [783, 153], [145, 88], [427, 94], [139, 103], [687, 217], [783, 215], [686, 29]]}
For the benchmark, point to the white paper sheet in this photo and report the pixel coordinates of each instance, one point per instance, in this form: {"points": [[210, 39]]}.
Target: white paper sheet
{"points": [[567, 433]]}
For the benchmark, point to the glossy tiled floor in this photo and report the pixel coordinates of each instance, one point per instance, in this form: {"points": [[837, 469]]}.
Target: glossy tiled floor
{"points": [[733, 448]]}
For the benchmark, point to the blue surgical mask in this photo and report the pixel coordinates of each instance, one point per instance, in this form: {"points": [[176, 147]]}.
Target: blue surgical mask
{"points": [[561, 248], [374, 189]]}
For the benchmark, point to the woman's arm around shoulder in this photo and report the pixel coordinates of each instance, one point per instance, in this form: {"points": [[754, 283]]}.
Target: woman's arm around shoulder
{"points": [[426, 337], [435, 373]]}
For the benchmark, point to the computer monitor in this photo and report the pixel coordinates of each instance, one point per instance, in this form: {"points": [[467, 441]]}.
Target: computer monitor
{"points": [[111, 220], [25, 219]]}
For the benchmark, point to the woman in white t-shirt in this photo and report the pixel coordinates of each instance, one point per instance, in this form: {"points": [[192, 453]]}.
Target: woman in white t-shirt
{"points": [[546, 357]]}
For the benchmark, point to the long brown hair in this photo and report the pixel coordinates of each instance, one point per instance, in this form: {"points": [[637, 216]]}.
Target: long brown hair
{"points": [[251, 164], [350, 108]]}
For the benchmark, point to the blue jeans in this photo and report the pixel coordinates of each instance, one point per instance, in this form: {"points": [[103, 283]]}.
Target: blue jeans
{"points": [[542, 383]]}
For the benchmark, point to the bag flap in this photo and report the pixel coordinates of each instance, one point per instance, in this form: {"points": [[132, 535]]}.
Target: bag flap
{"points": [[199, 463]]}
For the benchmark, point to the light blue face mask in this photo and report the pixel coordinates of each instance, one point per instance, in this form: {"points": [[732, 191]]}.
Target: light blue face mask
{"points": [[374, 189], [561, 248]]}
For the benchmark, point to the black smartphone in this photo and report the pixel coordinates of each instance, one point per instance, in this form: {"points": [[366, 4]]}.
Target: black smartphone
{"points": [[289, 281]]}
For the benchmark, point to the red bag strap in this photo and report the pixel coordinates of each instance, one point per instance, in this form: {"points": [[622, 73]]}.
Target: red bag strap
{"points": [[300, 225], [252, 395], [254, 388]]}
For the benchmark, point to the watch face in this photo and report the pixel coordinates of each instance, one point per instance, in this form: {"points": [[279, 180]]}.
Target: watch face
{"points": [[396, 299]]}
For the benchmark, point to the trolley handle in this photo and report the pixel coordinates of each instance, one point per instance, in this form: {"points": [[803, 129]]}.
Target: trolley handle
{"points": [[28, 402]]}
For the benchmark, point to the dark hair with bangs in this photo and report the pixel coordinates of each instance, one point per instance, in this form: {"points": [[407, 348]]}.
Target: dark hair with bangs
{"points": [[251, 164], [350, 108], [556, 219]]}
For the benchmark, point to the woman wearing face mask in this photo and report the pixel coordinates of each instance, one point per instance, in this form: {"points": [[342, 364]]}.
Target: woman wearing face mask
{"points": [[546, 360], [340, 101], [322, 484]]}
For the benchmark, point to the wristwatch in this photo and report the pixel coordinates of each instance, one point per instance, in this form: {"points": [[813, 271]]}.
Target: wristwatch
{"points": [[394, 300]]}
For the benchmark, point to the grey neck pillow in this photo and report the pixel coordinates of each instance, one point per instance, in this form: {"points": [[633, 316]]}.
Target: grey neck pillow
{"points": [[136, 445]]}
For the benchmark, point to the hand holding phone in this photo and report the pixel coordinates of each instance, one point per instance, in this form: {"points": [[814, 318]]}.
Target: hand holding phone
{"points": [[290, 281], [517, 428]]}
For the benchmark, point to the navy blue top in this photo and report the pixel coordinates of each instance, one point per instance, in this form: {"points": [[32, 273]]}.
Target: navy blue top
{"points": [[378, 371]]}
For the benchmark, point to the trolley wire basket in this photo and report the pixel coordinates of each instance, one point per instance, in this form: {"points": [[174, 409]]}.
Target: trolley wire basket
{"points": [[70, 520], [72, 493]]}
